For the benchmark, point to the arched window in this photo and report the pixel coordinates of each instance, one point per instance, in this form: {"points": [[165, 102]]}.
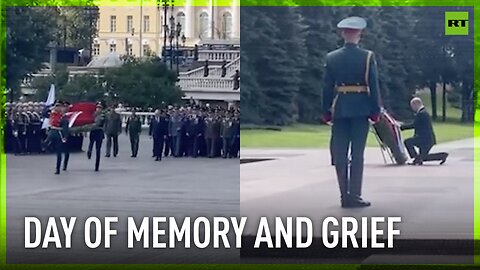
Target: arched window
{"points": [[203, 25], [227, 25], [181, 19]]}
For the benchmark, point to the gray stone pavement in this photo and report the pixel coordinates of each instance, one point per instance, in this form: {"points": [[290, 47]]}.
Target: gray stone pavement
{"points": [[124, 187], [435, 202]]}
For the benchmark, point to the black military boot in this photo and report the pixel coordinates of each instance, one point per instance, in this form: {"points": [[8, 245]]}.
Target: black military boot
{"points": [[356, 175], [357, 201], [343, 185], [444, 158]]}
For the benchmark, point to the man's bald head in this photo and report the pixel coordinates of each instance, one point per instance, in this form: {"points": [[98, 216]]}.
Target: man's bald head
{"points": [[416, 103]]}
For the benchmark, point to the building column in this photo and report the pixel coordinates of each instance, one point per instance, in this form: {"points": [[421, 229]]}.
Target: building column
{"points": [[212, 18], [189, 19], [235, 18]]}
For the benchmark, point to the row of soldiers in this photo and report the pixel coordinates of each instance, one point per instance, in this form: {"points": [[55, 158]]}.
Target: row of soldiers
{"points": [[23, 129], [190, 132]]}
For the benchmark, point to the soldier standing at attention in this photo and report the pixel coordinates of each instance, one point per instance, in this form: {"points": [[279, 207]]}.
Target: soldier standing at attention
{"points": [[351, 97], [113, 129], [133, 129], [97, 135], [227, 133], [22, 121], [34, 141], [209, 136]]}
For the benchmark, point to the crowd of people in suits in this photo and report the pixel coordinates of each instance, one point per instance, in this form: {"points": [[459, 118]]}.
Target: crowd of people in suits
{"points": [[192, 131]]}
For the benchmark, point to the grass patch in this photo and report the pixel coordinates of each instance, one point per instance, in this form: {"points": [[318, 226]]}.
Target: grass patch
{"points": [[318, 136]]}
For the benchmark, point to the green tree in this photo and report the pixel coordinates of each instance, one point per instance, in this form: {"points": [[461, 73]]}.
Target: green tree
{"points": [[29, 31], [320, 38], [76, 25], [252, 95], [276, 63], [145, 82], [83, 88]]}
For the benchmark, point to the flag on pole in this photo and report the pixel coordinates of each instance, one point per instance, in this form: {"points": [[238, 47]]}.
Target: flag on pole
{"points": [[48, 104]]}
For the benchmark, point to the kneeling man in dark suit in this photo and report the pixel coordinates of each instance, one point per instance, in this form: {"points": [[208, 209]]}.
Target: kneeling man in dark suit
{"points": [[424, 136]]}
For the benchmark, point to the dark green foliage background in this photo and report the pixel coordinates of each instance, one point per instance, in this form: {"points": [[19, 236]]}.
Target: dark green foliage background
{"points": [[283, 52]]}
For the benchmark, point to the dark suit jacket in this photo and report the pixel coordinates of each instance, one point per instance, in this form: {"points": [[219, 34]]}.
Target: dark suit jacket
{"points": [[159, 128], [423, 128]]}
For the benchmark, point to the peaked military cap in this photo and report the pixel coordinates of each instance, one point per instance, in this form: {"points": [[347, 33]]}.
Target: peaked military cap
{"points": [[354, 22]]}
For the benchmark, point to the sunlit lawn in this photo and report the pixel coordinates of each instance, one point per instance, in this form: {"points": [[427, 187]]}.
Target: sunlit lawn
{"points": [[313, 136]]}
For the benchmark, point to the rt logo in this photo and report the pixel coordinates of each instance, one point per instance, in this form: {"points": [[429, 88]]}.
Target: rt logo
{"points": [[456, 23]]}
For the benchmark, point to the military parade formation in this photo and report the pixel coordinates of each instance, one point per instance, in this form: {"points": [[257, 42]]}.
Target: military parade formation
{"points": [[177, 131], [23, 130]]}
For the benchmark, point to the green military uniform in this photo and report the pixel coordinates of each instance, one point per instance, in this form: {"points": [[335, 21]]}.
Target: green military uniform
{"points": [[226, 132], [96, 136], [351, 96], [134, 128], [113, 128]]}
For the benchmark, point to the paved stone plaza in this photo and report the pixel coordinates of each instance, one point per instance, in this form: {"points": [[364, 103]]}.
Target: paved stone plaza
{"points": [[435, 202], [124, 187]]}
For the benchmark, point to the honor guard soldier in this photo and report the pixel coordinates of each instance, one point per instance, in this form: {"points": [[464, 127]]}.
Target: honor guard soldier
{"points": [[351, 98], [58, 134], [236, 135], [227, 133], [21, 123], [9, 138], [34, 136], [97, 135]]}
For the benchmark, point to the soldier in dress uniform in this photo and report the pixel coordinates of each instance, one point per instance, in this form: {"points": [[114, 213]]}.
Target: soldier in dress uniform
{"points": [[113, 129], [175, 130], [21, 123], [9, 138], [236, 136], [34, 131], [351, 98], [97, 135], [133, 129], [58, 134], [188, 135], [226, 133]]}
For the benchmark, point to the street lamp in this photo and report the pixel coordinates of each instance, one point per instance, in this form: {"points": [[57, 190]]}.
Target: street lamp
{"points": [[179, 31], [165, 27], [171, 37], [91, 12]]}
